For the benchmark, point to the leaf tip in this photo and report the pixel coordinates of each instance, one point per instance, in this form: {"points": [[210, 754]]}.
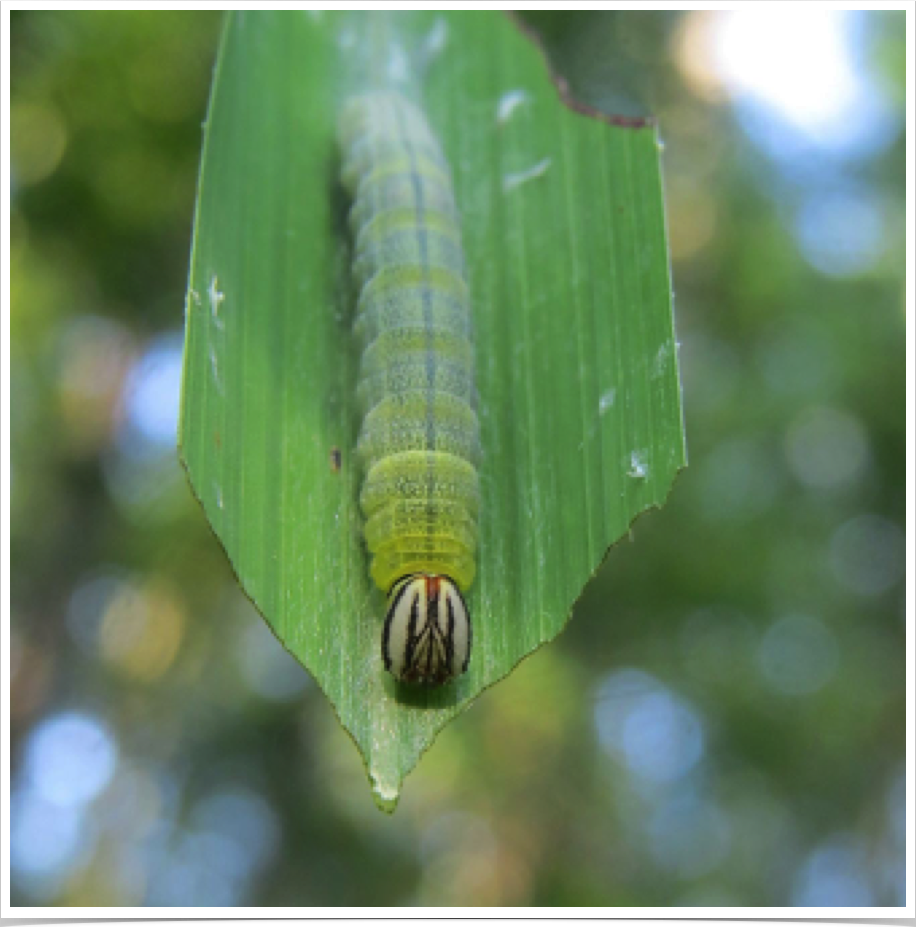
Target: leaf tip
{"points": [[385, 795]]}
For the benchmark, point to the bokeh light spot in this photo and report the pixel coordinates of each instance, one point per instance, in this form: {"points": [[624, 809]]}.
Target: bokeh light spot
{"points": [[233, 834], [94, 355], [141, 630], [44, 837], [834, 876], [142, 474], [826, 448], [794, 71], [867, 554], [798, 655], [268, 669], [689, 836], [70, 758], [739, 480], [841, 234], [797, 362], [153, 390], [657, 735], [243, 816], [38, 140]]}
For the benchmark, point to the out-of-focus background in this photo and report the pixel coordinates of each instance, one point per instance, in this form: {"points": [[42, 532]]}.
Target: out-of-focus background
{"points": [[722, 723]]}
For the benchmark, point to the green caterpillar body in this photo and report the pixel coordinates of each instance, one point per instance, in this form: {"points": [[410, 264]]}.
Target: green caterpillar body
{"points": [[419, 443]]}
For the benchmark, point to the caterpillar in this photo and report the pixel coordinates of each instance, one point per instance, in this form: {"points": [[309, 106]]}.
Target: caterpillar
{"points": [[419, 440]]}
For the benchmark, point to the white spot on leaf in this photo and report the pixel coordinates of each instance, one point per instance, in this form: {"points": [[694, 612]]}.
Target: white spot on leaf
{"points": [[398, 65], [661, 360], [216, 298], [639, 469], [436, 40], [508, 103], [511, 181], [606, 400], [214, 369]]}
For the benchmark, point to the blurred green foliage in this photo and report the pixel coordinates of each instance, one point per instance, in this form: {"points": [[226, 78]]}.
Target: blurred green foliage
{"points": [[723, 723]]}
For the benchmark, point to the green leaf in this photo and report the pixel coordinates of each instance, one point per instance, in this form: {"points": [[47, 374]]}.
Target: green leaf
{"points": [[576, 360]]}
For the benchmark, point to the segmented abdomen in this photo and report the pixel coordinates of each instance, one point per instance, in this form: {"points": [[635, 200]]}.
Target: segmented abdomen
{"points": [[419, 438]]}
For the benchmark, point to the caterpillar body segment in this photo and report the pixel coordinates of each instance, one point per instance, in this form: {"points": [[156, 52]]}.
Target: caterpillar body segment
{"points": [[419, 439]]}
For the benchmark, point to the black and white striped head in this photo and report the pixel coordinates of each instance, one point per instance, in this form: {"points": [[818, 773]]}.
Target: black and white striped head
{"points": [[427, 635]]}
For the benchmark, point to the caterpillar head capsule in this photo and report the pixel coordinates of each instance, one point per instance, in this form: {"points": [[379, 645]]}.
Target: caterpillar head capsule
{"points": [[427, 635]]}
